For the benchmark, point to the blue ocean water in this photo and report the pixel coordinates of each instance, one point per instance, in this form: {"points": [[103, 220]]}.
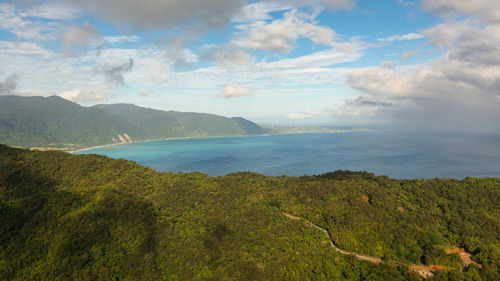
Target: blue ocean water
{"points": [[395, 154]]}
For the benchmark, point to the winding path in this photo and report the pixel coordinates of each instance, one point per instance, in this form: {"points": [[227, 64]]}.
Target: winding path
{"points": [[423, 271]]}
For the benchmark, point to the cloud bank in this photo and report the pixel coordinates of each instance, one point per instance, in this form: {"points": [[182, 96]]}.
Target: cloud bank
{"points": [[457, 92], [162, 14]]}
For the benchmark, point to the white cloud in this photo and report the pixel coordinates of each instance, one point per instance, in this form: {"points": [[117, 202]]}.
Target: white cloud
{"points": [[51, 11], [260, 11], [23, 48], [448, 33], [280, 35], [13, 21], [380, 81], [324, 58], [98, 93], [87, 95], [234, 91], [405, 37], [300, 115]]}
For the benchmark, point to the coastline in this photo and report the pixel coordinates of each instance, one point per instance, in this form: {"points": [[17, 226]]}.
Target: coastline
{"points": [[212, 137], [152, 140]]}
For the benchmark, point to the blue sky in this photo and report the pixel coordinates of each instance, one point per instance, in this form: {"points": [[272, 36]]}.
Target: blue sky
{"points": [[408, 64]]}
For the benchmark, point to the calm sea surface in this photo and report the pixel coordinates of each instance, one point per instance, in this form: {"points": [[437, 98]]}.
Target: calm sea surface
{"points": [[398, 155]]}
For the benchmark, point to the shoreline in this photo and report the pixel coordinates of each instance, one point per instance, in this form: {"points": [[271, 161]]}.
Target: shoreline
{"points": [[213, 137], [145, 141]]}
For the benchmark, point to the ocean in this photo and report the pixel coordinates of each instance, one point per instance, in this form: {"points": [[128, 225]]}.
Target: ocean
{"points": [[395, 154]]}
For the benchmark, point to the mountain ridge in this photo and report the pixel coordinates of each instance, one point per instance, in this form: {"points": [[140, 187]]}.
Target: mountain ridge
{"points": [[55, 122]]}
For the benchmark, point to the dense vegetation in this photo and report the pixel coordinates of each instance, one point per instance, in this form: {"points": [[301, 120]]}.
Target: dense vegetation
{"points": [[56, 122], [88, 217]]}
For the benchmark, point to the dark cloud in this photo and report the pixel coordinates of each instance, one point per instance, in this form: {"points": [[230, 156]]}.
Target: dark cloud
{"points": [[361, 101], [177, 55], [8, 86], [334, 4], [225, 55], [161, 14], [114, 72], [487, 11]]}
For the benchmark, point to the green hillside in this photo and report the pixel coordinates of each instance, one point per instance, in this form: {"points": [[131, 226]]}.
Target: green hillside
{"points": [[158, 124], [56, 122], [88, 217]]}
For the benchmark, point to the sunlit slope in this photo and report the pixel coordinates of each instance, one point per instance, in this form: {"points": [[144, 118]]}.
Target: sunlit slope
{"points": [[56, 122]]}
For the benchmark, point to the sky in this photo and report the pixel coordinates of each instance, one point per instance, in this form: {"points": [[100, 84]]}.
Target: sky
{"points": [[407, 64]]}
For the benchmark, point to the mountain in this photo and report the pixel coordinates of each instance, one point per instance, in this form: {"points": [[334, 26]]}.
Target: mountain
{"points": [[56, 122], [89, 217], [159, 124]]}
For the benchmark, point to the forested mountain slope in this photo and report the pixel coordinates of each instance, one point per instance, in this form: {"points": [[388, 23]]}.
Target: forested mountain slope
{"points": [[158, 124], [88, 217], [56, 122]]}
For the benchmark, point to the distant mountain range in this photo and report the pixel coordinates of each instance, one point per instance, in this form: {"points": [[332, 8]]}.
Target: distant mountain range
{"points": [[53, 122]]}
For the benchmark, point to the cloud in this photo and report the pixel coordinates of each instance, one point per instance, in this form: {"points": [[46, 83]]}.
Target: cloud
{"points": [[229, 54], [77, 35], [234, 91], [162, 14], [144, 92], [13, 21], [408, 55], [333, 4], [324, 58], [120, 39], [23, 48], [458, 91], [87, 95], [379, 81], [114, 72], [467, 41], [8, 86], [98, 93], [177, 56], [51, 11], [448, 33], [260, 11], [280, 35], [341, 4], [361, 101], [487, 11], [405, 37], [300, 115], [77, 39]]}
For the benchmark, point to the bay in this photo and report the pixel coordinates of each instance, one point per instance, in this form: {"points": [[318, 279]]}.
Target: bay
{"points": [[395, 154]]}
